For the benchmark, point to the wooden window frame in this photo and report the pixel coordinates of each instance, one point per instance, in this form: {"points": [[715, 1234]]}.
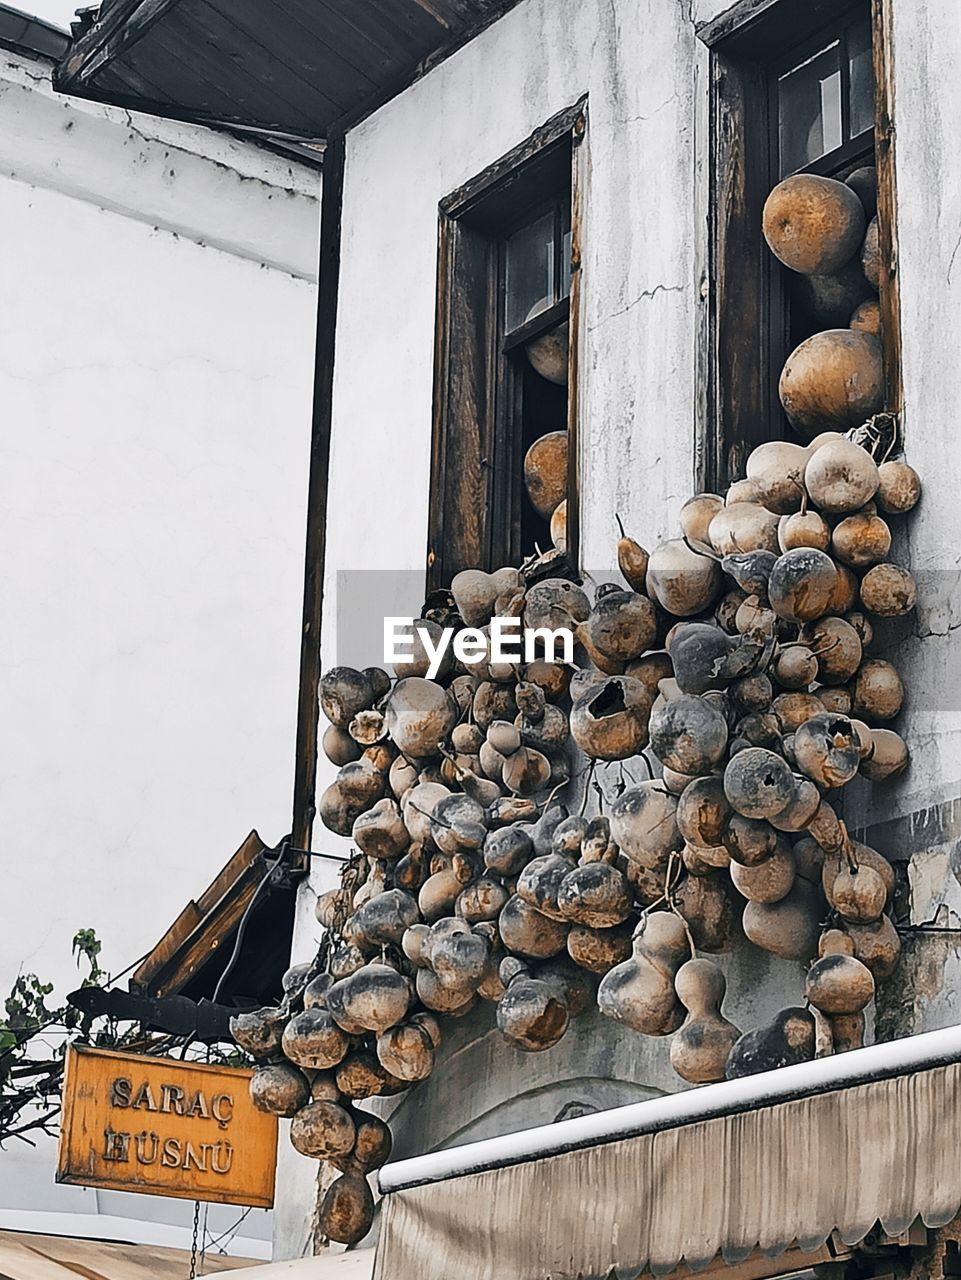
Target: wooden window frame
{"points": [[476, 456], [745, 46]]}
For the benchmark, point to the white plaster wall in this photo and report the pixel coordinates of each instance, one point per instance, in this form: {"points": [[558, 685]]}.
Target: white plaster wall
{"points": [[155, 405], [645, 248], [920, 814]]}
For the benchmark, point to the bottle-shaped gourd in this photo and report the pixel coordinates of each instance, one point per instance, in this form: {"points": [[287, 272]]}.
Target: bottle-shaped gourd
{"points": [[838, 983], [530, 1013], [596, 893], [700, 1050], [640, 992]]}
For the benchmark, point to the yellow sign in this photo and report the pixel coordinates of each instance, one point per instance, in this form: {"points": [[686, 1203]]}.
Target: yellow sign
{"points": [[156, 1125]]}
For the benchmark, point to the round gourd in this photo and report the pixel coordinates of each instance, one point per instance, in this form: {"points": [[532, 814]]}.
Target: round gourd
{"points": [[829, 300], [380, 831], [611, 721], [346, 1212], [813, 225], [406, 1051], [803, 530], [838, 649], [836, 699], [375, 998], [481, 900], [877, 692], [259, 1031], [871, 254], [838, 982], [596, 894], [712, 909], [864, 856], [827, 749], [454, 1001], [342, 692], [529, 1014], [864, 183], [313, 1040], [703, 811], [622, 625], [888, 756], [554, 603], [598, 950], [776, 469], [545, 472], [770, 880], [876, 945], [841, 477], [795, 667], [787, 928], [744, 526], [788, 1039], [697, 514], [862, 626], [697, 650], [688, 735], [372, 1146], [527, 932], [758, 783], [322, 1130], [548, 354], [846, 593], [801, 584], [858, 895], [888, 591], [680, 580], [749, 841], [339, 747], [899, 487], [867, 317], [644, 824], [419, 716], [833, 379], [279, 1088], [861, 540]]}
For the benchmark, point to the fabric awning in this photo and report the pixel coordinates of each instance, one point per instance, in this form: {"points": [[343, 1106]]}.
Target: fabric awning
{"points": [[782, 1160]]}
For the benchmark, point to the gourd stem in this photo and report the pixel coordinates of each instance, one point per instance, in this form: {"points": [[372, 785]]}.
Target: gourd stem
{"points": [[848, 848], [620, 524], [587, 782]]}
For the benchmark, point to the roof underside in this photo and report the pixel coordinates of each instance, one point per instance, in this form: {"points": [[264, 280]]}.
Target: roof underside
{"points": [[295, 68]]}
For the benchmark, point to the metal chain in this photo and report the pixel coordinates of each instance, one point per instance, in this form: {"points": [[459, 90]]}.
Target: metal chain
{"points": [[193, 1245]]}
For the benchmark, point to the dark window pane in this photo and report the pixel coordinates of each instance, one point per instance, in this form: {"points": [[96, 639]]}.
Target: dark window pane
{"points": [[809, 110], [862, 78], [530, 272]]}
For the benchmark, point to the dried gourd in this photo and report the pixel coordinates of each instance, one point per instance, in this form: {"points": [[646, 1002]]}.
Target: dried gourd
{"points": [[639, 993], [702, 1046]]}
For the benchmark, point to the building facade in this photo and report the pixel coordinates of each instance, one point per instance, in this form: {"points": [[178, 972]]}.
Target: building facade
{"points": [[639, 140]]}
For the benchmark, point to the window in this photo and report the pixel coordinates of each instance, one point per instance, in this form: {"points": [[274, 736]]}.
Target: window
{"points": [[793, 90], [504, 373]]}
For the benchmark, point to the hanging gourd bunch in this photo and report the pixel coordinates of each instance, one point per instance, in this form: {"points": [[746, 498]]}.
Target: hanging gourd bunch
{"points": [[825, 233], [738, 656]]}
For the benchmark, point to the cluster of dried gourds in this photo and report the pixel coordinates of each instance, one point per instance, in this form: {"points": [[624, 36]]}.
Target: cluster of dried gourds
{"points": [[826, 233], [738, 656]]}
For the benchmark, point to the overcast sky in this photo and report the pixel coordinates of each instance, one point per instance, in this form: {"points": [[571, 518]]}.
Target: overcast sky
{"points": [[59, 11]]}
